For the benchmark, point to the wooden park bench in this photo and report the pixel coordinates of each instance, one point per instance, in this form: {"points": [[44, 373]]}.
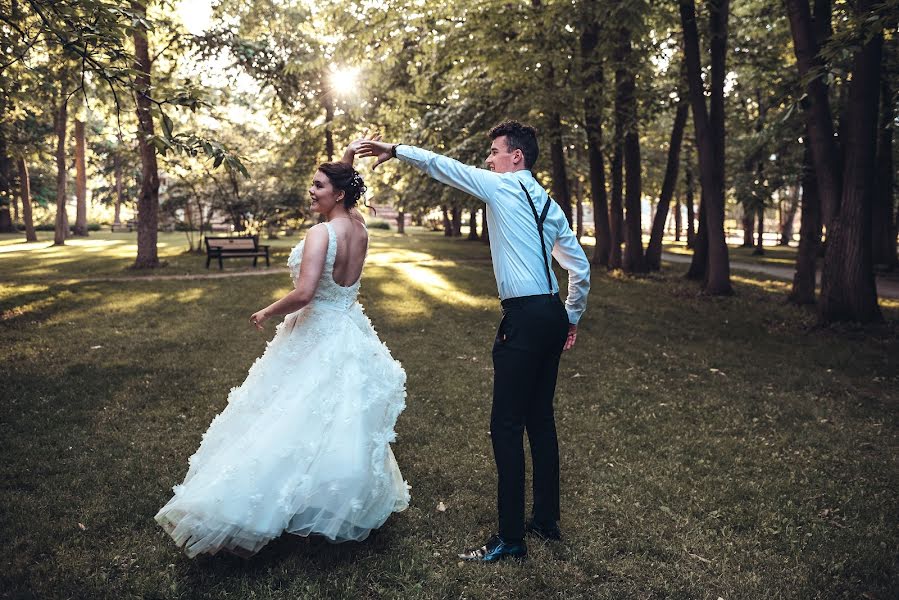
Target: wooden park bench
{"points": [[235, 247], [123, 226]]}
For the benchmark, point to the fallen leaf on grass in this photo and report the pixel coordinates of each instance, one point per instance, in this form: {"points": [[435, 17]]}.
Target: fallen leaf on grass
{"points": [[96, 347], [82, 527], [441, 507]]}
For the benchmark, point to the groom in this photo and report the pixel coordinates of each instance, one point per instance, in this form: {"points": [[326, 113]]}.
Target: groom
{"points": [[525, 226]]}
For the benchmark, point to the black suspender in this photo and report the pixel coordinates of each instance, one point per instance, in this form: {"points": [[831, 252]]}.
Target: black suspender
{"points": [[539, 220]]}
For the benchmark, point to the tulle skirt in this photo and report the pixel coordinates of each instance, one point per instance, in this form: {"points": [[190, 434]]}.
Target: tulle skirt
{"points": [[303, 445]]}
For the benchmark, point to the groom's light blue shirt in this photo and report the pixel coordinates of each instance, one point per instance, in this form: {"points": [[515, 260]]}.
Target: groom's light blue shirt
{"points": [[517, 259]]}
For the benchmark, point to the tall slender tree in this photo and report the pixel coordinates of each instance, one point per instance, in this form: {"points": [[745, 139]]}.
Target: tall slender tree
{"points": [[709, 126]]}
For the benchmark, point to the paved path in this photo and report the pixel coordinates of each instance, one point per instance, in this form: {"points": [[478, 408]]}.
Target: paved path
{"points": [[886, 288]]}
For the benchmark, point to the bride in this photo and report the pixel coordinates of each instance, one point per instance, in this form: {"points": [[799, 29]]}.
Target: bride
{"points": [[304, 443]]}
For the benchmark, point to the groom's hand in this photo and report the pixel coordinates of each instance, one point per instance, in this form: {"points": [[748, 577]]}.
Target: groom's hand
{"points": [[381, 150], [572, 337]]}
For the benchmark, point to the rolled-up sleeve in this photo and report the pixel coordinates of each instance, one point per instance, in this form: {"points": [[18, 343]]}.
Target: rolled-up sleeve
{"points": [[569, 254], [480, 183]]}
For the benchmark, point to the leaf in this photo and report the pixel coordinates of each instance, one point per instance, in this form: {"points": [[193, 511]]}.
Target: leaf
{"points": [[82, 527], [441, 507]]}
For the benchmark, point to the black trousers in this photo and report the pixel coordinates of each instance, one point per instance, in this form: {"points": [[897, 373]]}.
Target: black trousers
{"points": [[526, 356]]}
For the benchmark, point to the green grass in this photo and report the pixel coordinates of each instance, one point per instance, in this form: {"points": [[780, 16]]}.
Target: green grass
{"points": [[711, 447]]}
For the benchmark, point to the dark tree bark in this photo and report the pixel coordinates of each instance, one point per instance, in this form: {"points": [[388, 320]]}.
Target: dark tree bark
{"points": [[626, 114], [401, 221], [457, 221], [748, 221], [688, 198], [709, 126], [699, 263], [788, 210], [616, 207], [473, 224], [594, 76], [148, 197], [654, 250], [678, 219], [80, 228], [25, 189], [848, 291], [561, 192], [60, 121], [884, 226], [328, 101], [804, 279], [819, 121], [6, 189], [759, 245], [447, 224], [117, 174]]}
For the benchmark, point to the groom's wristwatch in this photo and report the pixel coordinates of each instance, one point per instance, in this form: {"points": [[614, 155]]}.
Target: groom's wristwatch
{"points": [[393, 150]]}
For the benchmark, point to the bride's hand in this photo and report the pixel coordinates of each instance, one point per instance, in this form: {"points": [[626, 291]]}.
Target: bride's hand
{"points": [[258, 318]]}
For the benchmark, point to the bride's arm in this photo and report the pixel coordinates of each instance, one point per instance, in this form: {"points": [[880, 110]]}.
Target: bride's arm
{"points": [[314, 252]]}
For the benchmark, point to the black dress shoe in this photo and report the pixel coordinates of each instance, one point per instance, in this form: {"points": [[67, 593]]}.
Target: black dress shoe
{"points": [[547, 533], [496, 549]]}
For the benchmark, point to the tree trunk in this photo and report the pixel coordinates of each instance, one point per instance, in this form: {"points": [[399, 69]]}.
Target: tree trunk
{"points": [[6, 188], [473, 224], [457, 221], [759, 246], [688, 198], [626, 122], [593, 118], [579, 212], [709, 125], [117, 219], [328, 101], [848, 291], [804, 279], [400, 222], [616, 208], [447, 225], [748, 226], [61, 231], [788, 217], [148, 197], [825, 153], [25, 187], [654, 250], [884, 233], [699, 264], [80, 180], [561, 192], [678, 219]]}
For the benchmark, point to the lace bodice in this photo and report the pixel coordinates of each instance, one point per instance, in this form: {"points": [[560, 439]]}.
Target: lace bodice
{"points": [[328, 292]]}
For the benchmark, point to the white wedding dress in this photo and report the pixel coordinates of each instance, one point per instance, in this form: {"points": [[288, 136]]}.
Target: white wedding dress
{"points": [[304, 443]]}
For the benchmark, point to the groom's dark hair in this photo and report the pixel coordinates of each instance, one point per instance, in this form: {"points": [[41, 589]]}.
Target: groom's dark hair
{"points": [[519, 137]]}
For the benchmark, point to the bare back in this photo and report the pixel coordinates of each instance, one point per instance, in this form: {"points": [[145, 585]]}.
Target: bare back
{"points": [[352, 247]]}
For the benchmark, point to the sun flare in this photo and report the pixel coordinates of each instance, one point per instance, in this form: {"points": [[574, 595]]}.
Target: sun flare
{"points": [[344, 80]]}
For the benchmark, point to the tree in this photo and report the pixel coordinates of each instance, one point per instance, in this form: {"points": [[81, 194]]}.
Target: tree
{"points": [[708, 123], [844, 176], [25, 186], [80, 180], [654, 250]]}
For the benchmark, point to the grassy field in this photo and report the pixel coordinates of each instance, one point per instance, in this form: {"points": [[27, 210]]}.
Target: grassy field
{"points": [[711, 448]]}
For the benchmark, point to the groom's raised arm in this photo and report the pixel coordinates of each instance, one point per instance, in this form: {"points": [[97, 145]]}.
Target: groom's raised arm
{"points": [[480, 183]]}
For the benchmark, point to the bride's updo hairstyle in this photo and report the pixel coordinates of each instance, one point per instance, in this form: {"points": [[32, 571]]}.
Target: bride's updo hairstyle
{"points": [[345, 178]]}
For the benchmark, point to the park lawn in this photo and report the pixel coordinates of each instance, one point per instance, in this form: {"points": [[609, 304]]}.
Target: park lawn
{"points": [[711, 447]]}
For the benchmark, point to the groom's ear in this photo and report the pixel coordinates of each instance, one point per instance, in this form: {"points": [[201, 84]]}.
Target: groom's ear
{"points": [[517, 156]]}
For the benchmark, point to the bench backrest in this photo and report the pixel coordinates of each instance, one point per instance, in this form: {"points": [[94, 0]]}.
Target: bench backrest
{"points": [[233, 243]]}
